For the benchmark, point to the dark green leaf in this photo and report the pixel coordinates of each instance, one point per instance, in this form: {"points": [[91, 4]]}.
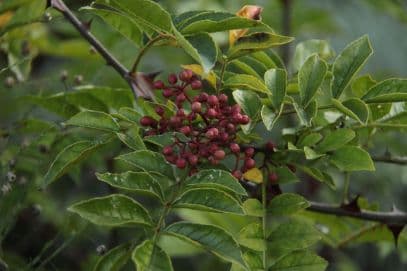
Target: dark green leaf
{"points": [[300, 261], [95, 120], [133, 181], [256, 42], [309, 140], [150, 257], [390, 90], [215, 178], [210, 237], [335, 140], [310, 78], [209, 199], [114, 259], [132, 139], [113, 210], [276, 81], [148, 161], [287, 204], [69, 156], [348, 63], [352, 158], [318, 175], [285, 175]]}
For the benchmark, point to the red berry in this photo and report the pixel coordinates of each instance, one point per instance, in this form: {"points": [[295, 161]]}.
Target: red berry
{"points": [[224, 136], [159, 110], [213, 148], [196, 84], [245, 119], [237, 117], [213, 100], [172, 79], [212, 133], [237, 174], [158, 84], [181, 163], [236, 108], [249, 152], [175, 121], [192, 116], [203, 97], [193, 159], [219, 154], [270, 146], [167, 93], [234, 147], [249, 163], [167, 150], [273, 177], [196, 107], [171, 158], [211, 113], [186, 130], [230, 128], [181, 98], [146, 121], [180, 113], [223, 98]]}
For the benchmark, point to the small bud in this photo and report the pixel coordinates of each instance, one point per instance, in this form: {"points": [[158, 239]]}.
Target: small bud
{"points": [[6, 188], [101, 249], [11, 177], [10, 82], [219, 154], [92, 50], [64, 75], [185, 75], [47, 16], [78, 79]]}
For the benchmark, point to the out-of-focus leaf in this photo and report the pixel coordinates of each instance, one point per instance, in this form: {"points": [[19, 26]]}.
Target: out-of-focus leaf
{"points": [[302, 261], [251, 236], [94, 120], [307, 48], [114, 259]]}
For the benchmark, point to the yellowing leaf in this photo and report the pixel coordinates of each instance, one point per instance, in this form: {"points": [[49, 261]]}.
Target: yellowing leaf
{"points": [[197, 69], [254, 175], [249, 12], [5, 18]]}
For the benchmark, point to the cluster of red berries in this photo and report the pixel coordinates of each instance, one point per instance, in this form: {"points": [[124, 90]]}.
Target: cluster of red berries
{"points": [[208, 121]]}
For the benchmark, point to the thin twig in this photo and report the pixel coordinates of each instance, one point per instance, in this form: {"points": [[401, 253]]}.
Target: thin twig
{"points": [[392, 218], [391, 160], [82, 29]]}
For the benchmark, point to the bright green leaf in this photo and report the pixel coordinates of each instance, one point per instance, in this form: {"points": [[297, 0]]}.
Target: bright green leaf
{"points": [[276, 81], [335, 140], [362, 84], [309, 140], [245, 81], [251, 236], [287, 204], [352, 158], [390, 90], [300, 261], [354, 108], [307, 48], [113, 210], [253, 207], [306, 115], [269, 117]]}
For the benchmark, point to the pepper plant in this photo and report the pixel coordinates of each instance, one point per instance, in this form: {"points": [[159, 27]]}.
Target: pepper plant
{"points": [[230, 132]]}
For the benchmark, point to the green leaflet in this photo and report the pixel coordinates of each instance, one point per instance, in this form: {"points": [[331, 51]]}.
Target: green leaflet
{"points": [[150, 257], [300, 261], [114, 259], [245, 81], [251, 236], [69, 156], [212, 238], [256, 42], [269, 117], [352, 158], [335, 140], [209, 199], [310, 78], [276, 81], [390, 90], [113, 210], [215, 178], [348, 63], [133, 181], [287, 204], [94, 120], [305, 49], [354, 108]]}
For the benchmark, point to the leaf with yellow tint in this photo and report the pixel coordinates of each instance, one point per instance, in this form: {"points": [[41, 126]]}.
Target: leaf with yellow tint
{"points": [[5, 18], [250, 12], [254, 175], [197, 69]]}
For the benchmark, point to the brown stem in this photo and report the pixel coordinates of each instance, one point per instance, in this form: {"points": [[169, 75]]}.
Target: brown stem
{"points": [[110, 59], [391, 160]]}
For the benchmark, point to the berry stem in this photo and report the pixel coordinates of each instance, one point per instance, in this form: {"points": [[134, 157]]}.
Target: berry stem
{"points": [[222, 74]]}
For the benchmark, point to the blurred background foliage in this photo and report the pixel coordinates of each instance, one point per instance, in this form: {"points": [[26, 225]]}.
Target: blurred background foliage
{"points": [[36, 233]]}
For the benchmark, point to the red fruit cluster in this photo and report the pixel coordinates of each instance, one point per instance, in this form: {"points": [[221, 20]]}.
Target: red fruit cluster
{"points": [[208, 121]]}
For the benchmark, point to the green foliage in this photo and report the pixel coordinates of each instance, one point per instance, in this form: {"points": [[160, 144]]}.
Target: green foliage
{"points": [[322, 114]]}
